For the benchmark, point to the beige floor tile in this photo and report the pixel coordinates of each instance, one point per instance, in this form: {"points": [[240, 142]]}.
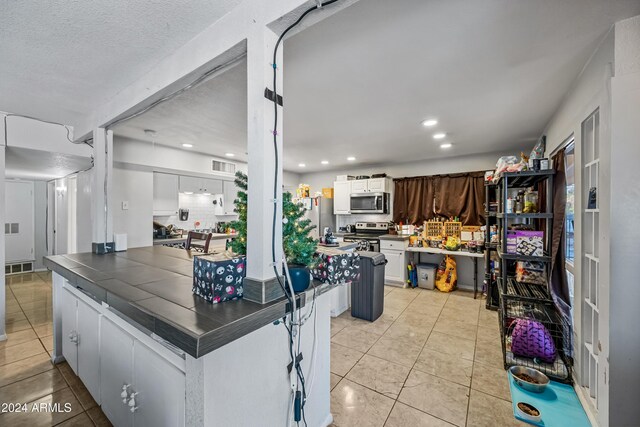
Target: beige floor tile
{"points": [[490, 380], [18, 338], [418, 319], [489, 353], [425, 306], [78, 388], [355, 405], [34, 387], [46, 304], [459, 315], [12, 307], [355, 338], [456, 329], [448, 344], [343, 359], [15, 317], [489, 411], [98, 417], [45, 418], [417, 334], [23, 279], [334, 380], [448, 366], [434, 295], [405, 416], [44, 330], [380, 375], [397, 350], [378, 326], [81, 420], [20, 351], [395, 305], [40, 318], [489, 332], [338, 324], [18, 326], [24, 368], [47, 342], [436, 396]]}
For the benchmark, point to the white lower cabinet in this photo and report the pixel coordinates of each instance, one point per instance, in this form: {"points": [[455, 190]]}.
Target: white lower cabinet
{"points": [[80, 347], [394, 270], [139, 387]]}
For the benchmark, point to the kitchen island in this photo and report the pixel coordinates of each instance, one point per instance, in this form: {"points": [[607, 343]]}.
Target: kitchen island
{"points": [[152, 353]]}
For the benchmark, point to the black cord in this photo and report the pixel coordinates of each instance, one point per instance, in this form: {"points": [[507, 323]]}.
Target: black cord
{"points": [[275, 204]]}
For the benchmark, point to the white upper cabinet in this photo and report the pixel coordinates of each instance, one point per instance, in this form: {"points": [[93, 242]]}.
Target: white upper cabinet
{"points": [[192, 184], [359, 186], [165, 194], [230, 192], [342, 197], [374, 185]]}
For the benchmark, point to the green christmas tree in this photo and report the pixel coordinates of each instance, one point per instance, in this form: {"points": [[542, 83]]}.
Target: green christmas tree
{"points": [[299, 247]]}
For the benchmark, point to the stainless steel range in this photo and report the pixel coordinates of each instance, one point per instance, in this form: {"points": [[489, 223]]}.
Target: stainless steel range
{"points": [[368, 233]]}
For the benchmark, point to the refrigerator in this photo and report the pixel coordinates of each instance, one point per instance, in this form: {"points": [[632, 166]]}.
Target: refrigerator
{"points": [[320, 213]]}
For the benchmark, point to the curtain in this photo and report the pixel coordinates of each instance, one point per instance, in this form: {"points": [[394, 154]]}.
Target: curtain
{"points": [[461, 195], [559, 283], [413, 200]]}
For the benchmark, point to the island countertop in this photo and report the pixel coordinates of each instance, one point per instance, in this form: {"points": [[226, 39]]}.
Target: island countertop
{"points": [[153, 287]]}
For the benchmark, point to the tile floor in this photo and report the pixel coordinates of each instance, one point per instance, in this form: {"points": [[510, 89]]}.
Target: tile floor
{"points": [[26, 372], [431, 359]]}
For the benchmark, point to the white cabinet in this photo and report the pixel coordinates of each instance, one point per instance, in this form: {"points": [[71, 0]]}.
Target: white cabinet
{"points": [[394, 270], [139, 387], [342, 197], [230, 192], [165, 194], [80, 346], [192, 184], [374, 185], [359, 186]]}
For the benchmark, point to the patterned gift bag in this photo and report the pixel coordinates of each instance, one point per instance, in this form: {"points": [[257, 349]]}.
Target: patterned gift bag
{"points": [[218, 277]]}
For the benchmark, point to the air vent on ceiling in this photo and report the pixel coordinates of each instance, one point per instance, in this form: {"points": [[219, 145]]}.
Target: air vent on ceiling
{"points": [[223, 167]]}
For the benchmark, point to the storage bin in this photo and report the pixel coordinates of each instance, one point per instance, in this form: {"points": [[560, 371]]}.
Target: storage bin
{"points": [[427, 275], [367, 293], [218, 277]]}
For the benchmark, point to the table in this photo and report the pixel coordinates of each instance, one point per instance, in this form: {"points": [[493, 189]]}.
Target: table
{"points": [[473, 255]]}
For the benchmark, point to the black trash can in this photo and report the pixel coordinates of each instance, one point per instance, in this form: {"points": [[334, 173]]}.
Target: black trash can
{"points": [[367, 293]]}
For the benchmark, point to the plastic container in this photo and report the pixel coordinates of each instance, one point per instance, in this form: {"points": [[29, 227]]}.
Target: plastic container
{"points": [[367, 293], [427, 275]]}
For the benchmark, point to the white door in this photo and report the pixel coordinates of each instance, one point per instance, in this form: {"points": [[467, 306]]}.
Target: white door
{"points": [[18, 228], [69, 329], [160, 389], [342, 197], [394, 270], [89, 348], [116, 371], [359, 186]]}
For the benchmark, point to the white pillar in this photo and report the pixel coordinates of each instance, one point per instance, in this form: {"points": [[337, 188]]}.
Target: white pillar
{"points": [[262, 161], [101, 209], [3, 297]]}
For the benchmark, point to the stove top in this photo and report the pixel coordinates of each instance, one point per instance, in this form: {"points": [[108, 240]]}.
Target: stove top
{"points": [[364, 236]]}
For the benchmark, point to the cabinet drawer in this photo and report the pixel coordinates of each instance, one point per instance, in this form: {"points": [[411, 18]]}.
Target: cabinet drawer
{"points": [[394, 244]]}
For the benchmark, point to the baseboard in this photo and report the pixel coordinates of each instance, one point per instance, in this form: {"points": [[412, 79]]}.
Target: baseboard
{"points": [[328, 421], [585, 402], [3, 337]]}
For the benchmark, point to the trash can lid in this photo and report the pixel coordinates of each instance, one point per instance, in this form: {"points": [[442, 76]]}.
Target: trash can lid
{"points": [[376, 258]]}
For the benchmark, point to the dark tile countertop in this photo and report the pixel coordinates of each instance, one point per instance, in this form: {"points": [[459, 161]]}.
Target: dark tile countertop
{"points": [[152, 286]]}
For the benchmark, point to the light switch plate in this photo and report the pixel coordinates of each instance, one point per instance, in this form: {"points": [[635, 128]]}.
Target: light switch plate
{"points": [[125, 206]]}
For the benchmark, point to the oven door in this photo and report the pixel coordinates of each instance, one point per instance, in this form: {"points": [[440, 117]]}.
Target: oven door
{"points": [[370, 203]]}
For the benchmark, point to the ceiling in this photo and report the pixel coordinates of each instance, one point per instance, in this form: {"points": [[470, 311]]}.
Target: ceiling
{"points": [[22, 163], [67, 57], [357, 83]]}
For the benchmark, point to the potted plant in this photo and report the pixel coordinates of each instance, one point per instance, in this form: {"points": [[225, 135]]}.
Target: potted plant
{"points": [[299, 248]]}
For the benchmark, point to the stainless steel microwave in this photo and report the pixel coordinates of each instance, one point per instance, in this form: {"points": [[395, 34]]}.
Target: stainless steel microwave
{"points": [[374, 203]]}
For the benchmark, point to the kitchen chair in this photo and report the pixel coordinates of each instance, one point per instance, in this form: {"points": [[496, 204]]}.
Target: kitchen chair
{"points": [[204, 239]]}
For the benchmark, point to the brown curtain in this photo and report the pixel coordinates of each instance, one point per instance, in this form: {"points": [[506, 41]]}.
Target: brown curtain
{"points": [[461, 195], [413, 200]]}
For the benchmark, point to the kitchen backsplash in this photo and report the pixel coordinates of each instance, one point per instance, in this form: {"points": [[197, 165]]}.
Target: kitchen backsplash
{"points": [[342, 220], [201, 209]]}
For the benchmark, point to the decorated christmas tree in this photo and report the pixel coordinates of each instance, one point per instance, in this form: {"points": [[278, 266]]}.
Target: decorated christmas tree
{"points": [[299, 247]]}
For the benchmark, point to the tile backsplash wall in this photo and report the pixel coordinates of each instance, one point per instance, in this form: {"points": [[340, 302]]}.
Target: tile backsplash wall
{"points": [[201, 209], [342, 220]]}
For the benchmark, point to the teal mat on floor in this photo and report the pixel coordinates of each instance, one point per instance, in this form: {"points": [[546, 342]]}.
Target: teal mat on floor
{"points": [[558, 405]]}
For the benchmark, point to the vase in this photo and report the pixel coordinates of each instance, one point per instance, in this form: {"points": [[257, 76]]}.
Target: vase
{"points": [[300, 277]]}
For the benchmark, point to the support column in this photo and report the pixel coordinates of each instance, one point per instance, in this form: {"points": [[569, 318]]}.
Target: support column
{"points": [[3, 296], [261, 285], [101, 209]]}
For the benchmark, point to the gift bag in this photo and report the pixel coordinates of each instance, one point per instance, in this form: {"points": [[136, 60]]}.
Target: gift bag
{"points": [[447, 276]]}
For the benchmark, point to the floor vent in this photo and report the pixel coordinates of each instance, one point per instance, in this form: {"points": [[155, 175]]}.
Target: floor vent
{"points": [[17, 268]]}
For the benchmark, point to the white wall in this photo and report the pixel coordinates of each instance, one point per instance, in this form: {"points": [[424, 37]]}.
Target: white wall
{"points": [[40, 213], [136, 187], [3, 300], [84, 222]]}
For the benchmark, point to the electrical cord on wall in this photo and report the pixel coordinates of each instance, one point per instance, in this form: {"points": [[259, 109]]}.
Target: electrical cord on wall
{"points": [[294, 330], [6, 139]]}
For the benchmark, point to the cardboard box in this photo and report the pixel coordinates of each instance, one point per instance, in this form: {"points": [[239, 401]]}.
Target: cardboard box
{"points": [[511, 242], [530, 243], [327, 193]]}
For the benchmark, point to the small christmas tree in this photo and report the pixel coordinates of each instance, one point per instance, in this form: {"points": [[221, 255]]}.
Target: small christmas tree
{"points": [[239, 244], [299, 247]]}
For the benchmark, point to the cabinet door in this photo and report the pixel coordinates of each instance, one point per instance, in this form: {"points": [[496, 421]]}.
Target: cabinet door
{"points": [[230, 192], [116, 370], [89, 348], [394, 270], [165, 193], [160, 388], [359, 186], [342, 197], [377, 185], [211, 186], [190, 184], [69, 329]]}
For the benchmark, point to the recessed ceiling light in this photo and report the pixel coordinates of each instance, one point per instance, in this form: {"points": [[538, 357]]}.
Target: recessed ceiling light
{"points": [[351, 158], [325, 162], [230, 155], [187, 145], [439, 135], [445, 145], [429, 122], [302, 165]]}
